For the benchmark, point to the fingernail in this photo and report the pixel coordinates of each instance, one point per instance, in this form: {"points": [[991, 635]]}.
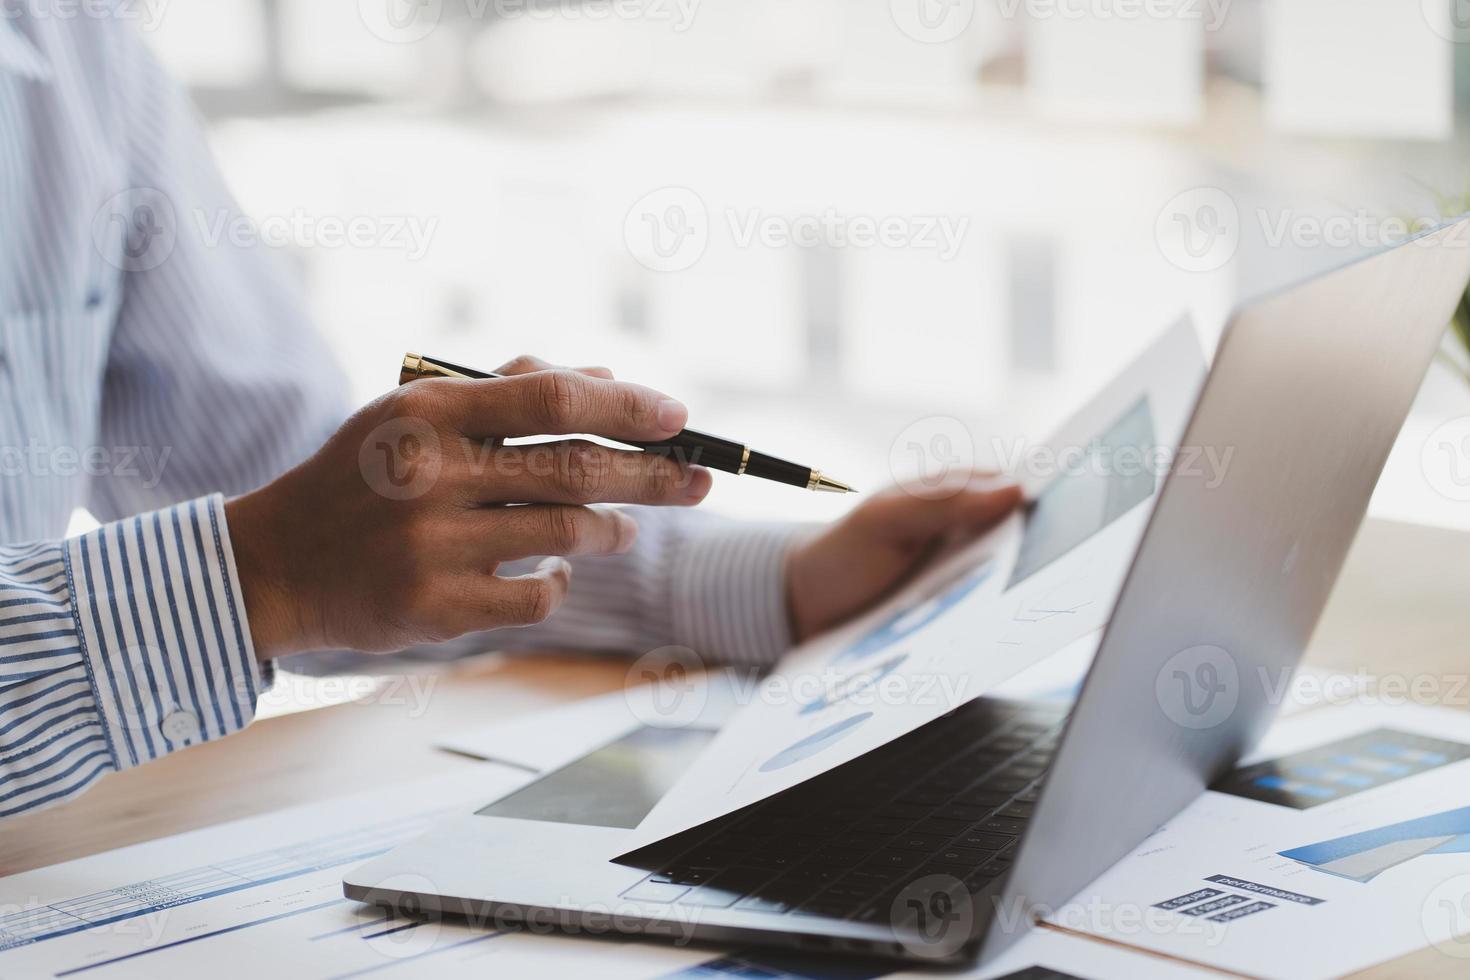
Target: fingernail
{"points": [[628, 531], [698, 483], [672, 415]]}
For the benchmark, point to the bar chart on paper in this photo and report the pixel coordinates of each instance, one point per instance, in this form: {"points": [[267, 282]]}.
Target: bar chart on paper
{"points": [[242, 899], [252, 871]]}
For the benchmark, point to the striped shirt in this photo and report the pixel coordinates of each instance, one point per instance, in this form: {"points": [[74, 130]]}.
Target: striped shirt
{"points": [[144, 374]]}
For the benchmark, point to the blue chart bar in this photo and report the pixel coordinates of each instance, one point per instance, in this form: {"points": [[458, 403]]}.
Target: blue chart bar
{"points": [[1364, 856], [196, 884], [1342, 768]]}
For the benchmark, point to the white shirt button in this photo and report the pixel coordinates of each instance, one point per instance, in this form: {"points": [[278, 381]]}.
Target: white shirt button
{"points": [[180, 726]]}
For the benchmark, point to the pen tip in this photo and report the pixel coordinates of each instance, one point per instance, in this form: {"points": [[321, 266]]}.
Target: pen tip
{"points": [[825, 484]]}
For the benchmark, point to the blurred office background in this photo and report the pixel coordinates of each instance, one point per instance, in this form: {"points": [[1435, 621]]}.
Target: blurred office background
{"points": [[867, 234]]}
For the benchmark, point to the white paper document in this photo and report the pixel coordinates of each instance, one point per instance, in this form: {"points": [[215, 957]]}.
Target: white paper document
{"points": [[262, 897], [1039, 582], [544, 740], [1342, 843]]}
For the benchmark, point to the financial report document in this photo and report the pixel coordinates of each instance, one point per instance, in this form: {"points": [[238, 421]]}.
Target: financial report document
{"points": [[1343, 842], [262, 898], [1045, 578]]}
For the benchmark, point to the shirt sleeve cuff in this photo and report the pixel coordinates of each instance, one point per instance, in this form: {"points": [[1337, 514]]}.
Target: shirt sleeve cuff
{"points": [[162, 629], [729, 592]]}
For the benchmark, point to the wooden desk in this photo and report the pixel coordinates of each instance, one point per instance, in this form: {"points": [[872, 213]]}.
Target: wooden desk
{"points": [[332, 751]]}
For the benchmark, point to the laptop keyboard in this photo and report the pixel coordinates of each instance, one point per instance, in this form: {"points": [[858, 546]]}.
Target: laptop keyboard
{"points": [[950, 798]]}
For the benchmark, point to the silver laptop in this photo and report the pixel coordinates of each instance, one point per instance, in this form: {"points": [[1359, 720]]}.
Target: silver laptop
{"points": [[944, 845]]}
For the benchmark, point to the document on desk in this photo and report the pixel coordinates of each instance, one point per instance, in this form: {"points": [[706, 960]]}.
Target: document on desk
{"points": [[262, 898], [1040, 581], [1342, 843]]}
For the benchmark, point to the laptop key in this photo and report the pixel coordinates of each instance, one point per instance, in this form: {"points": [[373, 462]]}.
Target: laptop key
{"points": [[940, 827], [963, 856], [929, 796], [1006, 783], [901, 811], [918, 842], [860, 841], [1002, 825], [983, 839], [963, 811], [896, 860], [813, 873], [983, 876], [757, 903], [772, 862], [983, 796], [709, 858], [832, 858]]}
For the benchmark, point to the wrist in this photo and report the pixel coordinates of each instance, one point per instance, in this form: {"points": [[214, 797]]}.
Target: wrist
{"points": [[794, 573], [273, 607]]}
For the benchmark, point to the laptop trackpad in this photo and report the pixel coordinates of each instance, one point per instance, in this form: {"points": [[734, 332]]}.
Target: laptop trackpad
{"points": [[614, 786]]}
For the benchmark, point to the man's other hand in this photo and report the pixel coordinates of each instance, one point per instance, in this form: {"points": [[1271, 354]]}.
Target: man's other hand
{"points": [[854, 563]]}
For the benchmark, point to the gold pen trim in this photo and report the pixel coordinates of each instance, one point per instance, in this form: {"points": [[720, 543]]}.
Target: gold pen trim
{"points": [[411, 369], [417, 366], [825, 484], [744, 460]]}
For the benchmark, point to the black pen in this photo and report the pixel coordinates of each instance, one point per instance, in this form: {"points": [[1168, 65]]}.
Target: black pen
{"points": [[688, 446]]}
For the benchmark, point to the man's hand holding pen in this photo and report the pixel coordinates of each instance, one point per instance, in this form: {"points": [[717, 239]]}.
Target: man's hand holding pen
{"points": [[328, 560], [330, 556]]}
